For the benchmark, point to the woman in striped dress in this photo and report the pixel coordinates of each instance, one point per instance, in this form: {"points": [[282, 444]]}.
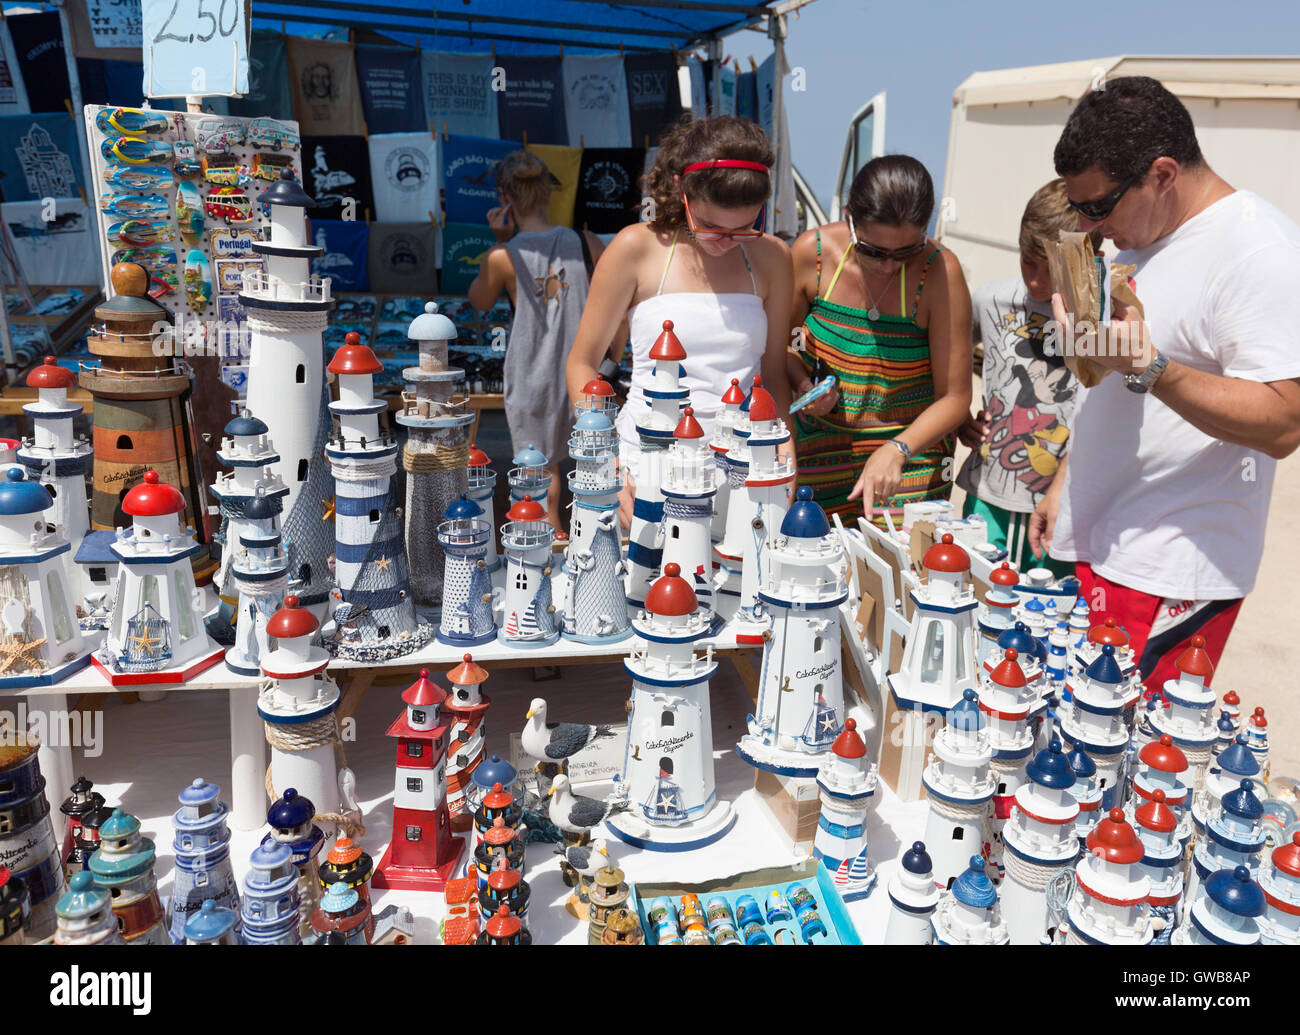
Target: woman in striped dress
{"points": [[886, 310]]}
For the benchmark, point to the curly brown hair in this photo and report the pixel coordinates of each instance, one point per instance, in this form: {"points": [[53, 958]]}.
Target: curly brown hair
{"points": [[698, 140]]}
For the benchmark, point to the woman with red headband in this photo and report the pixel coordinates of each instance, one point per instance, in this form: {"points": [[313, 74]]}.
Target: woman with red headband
{"points": [[700, 263], [884, 309]]}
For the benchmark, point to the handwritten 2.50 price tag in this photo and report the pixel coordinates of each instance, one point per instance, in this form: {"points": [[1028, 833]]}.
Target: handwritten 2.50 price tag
{"points": [[195, 48]]}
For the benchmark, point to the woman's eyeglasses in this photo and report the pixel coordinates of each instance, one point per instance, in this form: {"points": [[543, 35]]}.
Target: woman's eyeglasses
{"points": [[721, 235], [884, 254], [1100, 208]]}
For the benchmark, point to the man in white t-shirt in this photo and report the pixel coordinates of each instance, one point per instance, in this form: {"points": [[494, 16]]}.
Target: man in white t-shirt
{"points": [[1163, 501]]}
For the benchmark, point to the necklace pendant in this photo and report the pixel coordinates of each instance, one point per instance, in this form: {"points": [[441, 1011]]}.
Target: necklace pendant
{"points": [[873, 313]]}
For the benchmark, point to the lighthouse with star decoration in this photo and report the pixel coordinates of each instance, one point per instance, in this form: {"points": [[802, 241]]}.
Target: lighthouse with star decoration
{"points": [[689, 486], [466, 707], [528, 614], [667, 772], [1190, 715], [654, 429], [423, 852], [156, 633], [369, 549], [1109, 903], [801, 707]]}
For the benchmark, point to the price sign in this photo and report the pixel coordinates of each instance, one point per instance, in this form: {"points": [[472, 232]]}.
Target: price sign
{"points": [[195, 48]]}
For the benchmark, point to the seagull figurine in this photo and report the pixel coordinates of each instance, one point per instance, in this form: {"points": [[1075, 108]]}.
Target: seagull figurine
{"points": [[575, 814], [556, 740], [587, 859]]}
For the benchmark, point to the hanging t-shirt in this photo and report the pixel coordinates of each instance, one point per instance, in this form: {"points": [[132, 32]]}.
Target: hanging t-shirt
{"points": [[1150, 501], [59, 251], [458, 94], [403, 258], [595, 101], [38, 46], [1028, 397], [13, 95], [564, 164], [323, 78], [726, 91], [532, 103], [469, 176], [609, 189], [765, 83], [463, 248], [336, 169], [747, 96], [404, 172], [391, 98], [699, 89], [268, 79], [653, 93], [39, 157], [347, 245]]}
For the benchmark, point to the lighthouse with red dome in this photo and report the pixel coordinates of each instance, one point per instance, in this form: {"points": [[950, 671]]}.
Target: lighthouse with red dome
{"points": [[667, 772], [156, 633], [1109, 904], [998, 613], [423, 852], [690, 484], [466, 709], [723, 440], [1190, 713], [528, 614]]}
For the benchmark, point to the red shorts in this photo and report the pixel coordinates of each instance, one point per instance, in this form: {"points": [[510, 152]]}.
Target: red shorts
{"points": [[1159, 629]]}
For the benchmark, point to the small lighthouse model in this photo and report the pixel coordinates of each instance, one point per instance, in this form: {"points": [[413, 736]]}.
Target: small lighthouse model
{"points": [[436, 413], [156, 634], [369, 552], [1234, 764], [1235, 836], [595, 582], [41, 641], [202, 847], [1109, 904], [1162, 862], [846, 785], [959, 785], [27, 845], [654, 428], [1039, 842], [260, 571], [667, 773], [297, 704], [689, 486], [465, 536], [1160, 768], [52, 455], [1227, 914], [737, 525], [913, 897], [722, 441], [1190, 717], [423, 852], [291, 818], [85, 916], [801, 694], [482, 482], [123, 866], [1257, 738], [997, 614], [287, 313], [530, 475], [528, 616], [270, 908], [1005, 697], [466, 707], [969, 912], [1280, 881], [1093, 719]]}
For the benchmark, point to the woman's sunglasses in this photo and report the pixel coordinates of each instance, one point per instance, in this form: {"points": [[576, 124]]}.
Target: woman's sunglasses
{"points": [[1100, 208], [722, 235], [884, 254]]}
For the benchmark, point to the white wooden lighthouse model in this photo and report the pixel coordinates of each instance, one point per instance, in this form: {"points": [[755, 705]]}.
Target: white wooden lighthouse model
{"points": [[969, 912], [1094, 720], [1160, 768], [737, 524], [528, 615], [667, 772], [260, 570], [1235, 836], [1233, 764], [997, 613], [801, 707], [1039, 843], [288, 308], [721, 443], [1279, 879], [654, 429], [482, 482], [913, 897], [156, 634], [297, 703], [1005, 697], [56, 458], [1227, 914], [1191, 712], [1109, 904], [1162, 862], [960, 785], [689, 486], [41, 642], [467, 588], [846, 785]]}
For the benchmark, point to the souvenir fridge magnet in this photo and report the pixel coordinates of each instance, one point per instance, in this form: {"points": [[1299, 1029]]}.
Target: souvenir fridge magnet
{"points": [[134, 206], [229, 205], [230, 272], [138, 177], [130, 122], [141, 231], [185, 158], [269, 133], [231, 243], [198, 280], [189, 210], [133, 151]]}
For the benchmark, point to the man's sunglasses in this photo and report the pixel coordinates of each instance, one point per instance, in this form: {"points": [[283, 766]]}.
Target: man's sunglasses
{"points": [[884, 254], [1100, 208], [722, 235]]}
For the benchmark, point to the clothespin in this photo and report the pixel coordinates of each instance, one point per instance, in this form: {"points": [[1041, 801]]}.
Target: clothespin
{"points": [[647, 141], [444, 130], [366, 214], [524, 134], [432, 218], [84, 200], [433, 132], [365, 130], [753, 65], [68, 104], [282, 32], [561, 50]]}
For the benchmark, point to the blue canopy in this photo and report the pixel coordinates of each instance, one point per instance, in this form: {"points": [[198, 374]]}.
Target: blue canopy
{"points": [[538, 27]]}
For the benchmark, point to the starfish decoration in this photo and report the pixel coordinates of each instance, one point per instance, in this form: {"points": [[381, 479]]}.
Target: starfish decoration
{"points": [[327, 509], [665, 803], [24, 651], [146, 643], [828, 723], [383, 563]]}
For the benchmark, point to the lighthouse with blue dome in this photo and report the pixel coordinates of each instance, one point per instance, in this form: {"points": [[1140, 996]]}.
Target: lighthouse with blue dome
{"points": [[1228, 913], [202, 847], [1234, 836], [260, 570], [913, 899], [960, 785], [1093, 720], [801, 708], [270, 906], [465, 536], [969, 912], [1234, 764]]}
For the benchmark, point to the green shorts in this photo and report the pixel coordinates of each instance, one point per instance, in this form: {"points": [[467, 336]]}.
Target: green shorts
{"points": [[1006, 529]]}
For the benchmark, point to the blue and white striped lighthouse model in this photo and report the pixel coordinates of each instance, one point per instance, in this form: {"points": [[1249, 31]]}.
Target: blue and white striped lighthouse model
{"points": [[467, 618], [202, 847], [530, 475], [595, 576], [1093, 719], [369, 549], [1233, 764], [969, 912], [1227, 914], [270, 906], [667, 772], [260, 568], [960, 785], [528, 613], [690, 482], [913, 898], [654, 429], [800, 709], [1235, 836], [846, 785]]}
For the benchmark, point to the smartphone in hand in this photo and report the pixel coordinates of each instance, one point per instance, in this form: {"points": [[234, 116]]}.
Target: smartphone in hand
{"points": [[816, 392]]}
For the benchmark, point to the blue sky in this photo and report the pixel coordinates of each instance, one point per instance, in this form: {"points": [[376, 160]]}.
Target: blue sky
{"points": [[919, 53]]}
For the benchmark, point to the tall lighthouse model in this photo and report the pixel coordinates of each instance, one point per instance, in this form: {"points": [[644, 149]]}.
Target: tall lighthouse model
{"points": [[655, 429], [689, 486], [846, 785], [369, 551], [800, 695], [287, 311], [667, 773], [466, 708], [722, 442], [465, 537], [259, 571], [1006, 698], [1093, 720], [528, 617], [438, 420], [423, 852], [959, 785]]}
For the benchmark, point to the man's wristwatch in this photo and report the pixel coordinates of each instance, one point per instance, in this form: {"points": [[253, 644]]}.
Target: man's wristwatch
{"points": [[1145, 381], [903, 448]]}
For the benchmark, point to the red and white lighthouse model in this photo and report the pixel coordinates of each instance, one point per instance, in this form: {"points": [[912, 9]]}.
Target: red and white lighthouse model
{"points": [[424, 851], [467, 706]]}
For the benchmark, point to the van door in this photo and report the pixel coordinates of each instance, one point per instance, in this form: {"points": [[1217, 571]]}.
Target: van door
{"points": [[865, 141]]}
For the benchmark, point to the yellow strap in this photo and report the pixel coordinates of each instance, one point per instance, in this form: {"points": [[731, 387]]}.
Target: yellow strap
{"points": [[902, 291], [838, 270], [663, 277]]}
